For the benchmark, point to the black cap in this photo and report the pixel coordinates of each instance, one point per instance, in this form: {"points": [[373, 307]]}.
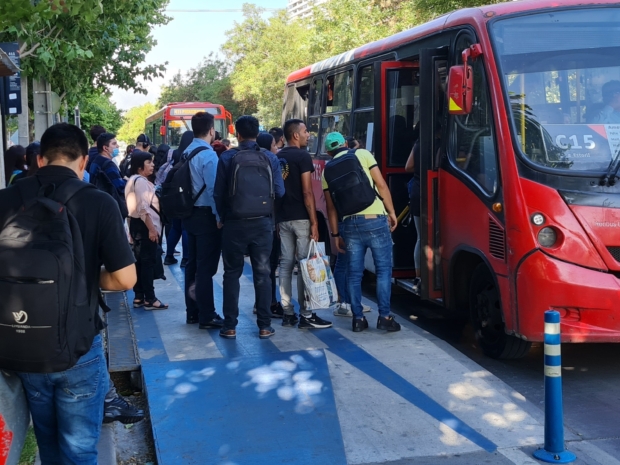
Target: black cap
{"points": [[144, 139]]}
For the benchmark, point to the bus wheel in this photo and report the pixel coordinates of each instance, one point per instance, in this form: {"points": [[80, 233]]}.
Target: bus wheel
{"points": [[486, 318]]}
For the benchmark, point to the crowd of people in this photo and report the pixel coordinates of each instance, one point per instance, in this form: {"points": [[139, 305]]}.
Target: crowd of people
{"points": [[254, 200]]}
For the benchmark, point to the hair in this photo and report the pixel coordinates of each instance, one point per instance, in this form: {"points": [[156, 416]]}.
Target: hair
{"points": [[161, 156], [219, 148], [96, 131], [63, 140], [104, 140], [32, 152], [218, 136], [202, 122], [226, 142], [138, 157], [609, 89], [14, 159], [130, 148], [264, 140], [350, 142], [152, 150], [247, 127], [291, 127], [186, 139], [277, 133]]}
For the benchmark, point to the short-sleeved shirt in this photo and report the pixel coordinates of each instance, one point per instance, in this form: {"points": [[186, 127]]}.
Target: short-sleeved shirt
{"points": [[368, 162], [100, 222], [294, 162]]}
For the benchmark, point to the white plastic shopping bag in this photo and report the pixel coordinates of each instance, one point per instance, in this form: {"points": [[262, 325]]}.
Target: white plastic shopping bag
{"points": [[318, 279]]}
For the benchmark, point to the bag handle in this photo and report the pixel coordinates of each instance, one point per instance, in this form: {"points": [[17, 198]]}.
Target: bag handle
{"points": [[313, 249]]}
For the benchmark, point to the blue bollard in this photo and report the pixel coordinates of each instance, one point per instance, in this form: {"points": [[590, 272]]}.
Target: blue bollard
{"points": [[554, 451]]}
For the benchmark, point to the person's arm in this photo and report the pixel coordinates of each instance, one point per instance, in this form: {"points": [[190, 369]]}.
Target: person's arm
{"points": [[278, 182], [410, 163], [332, 218], [220, 187], [119, 280], [384, 192], [306, 186], [144, 197], [209, 174], [114, 175]]}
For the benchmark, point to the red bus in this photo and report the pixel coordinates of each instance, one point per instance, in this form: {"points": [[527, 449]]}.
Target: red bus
{"points": [[520, 205], [168, 124]]}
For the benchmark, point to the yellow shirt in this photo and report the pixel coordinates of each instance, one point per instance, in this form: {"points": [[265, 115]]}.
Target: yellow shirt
{"points": [[367, 160]]}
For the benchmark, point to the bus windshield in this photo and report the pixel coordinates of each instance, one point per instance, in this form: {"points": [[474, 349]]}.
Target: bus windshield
{"points": [[177, 127], [561, 70]]}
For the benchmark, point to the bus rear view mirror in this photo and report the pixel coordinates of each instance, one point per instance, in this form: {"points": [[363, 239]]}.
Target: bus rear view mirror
{"points": [[460, 90], [162, 130]]}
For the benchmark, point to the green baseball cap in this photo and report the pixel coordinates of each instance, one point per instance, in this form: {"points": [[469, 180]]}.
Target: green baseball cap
{"points": [[333, 141]]}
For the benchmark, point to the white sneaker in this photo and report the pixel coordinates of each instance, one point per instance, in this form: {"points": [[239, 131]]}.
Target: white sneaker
{"points": [[345, 310]]}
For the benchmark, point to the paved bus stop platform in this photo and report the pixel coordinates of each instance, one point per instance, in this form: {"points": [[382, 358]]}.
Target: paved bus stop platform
{"points": [[323, 396]]}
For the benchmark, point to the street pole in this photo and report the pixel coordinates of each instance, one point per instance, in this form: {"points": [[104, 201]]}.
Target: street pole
{"points": [[23, 123], [43, 116]]}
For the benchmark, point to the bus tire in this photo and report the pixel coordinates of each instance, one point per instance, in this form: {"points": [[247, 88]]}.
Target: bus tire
{"points": [[486, 318]]}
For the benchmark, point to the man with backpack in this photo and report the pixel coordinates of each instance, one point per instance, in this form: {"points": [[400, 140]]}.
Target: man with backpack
{"points": [[361, 217], [297, 222], [49, 321], [104, 173], [248, 181]]}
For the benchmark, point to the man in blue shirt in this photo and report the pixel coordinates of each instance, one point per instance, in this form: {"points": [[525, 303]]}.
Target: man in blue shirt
{"points": [[254, 235], [203, 229], [107, 149]]}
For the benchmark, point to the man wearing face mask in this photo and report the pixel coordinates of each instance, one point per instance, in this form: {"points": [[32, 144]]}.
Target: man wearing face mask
{"points": [[107, 148]]}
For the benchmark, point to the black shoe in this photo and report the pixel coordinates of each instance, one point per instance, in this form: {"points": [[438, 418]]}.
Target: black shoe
{"points": [[170, 260], [290, 321], [191, 320], [360, 324], [277, 311], [216, 323], [266, 333], [118, 409], [313, 322], [388, 323], [184, 262]]}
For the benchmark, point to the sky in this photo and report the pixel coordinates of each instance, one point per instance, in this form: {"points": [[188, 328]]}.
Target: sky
{"points": [[174, 41]]}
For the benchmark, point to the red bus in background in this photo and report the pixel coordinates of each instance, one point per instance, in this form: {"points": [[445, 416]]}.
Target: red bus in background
{"points": [[520, 204], [168, 124]]}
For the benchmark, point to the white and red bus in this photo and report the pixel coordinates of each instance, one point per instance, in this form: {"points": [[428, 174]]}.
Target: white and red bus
{"points": [[520, 204], [167, 125]]}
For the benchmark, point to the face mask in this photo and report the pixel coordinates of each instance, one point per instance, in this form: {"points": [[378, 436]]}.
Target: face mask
{"points": [[115, 152]]}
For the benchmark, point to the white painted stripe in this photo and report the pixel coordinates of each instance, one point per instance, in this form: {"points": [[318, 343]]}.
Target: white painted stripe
{"points": [[552, 328], [553, 372], [594, 452], [517, 456], [553, 349]]}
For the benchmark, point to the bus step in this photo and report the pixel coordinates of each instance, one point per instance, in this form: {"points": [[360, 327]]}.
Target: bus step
{"points": [[406, 284], [121, 340]]}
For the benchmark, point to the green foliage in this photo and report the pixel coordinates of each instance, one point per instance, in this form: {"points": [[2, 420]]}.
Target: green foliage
{"points": [[80, 44], [432, 8], [97, 108], [29, 452], [133, 122]]}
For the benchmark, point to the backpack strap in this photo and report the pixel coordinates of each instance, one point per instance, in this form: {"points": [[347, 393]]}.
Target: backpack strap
{"points": [[374, 186], [68, 189], [192, 154]]}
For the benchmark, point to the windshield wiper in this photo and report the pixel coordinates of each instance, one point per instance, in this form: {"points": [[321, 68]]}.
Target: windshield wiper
{"points": [[611, 180]]}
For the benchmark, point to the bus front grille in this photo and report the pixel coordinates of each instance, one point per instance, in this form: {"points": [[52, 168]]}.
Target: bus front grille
{"points": [[615, 252], [497, 240]]}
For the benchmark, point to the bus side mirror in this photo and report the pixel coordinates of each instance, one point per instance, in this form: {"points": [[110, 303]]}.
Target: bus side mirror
{"points": [[162, 130], [460, 90], [231, 129]]}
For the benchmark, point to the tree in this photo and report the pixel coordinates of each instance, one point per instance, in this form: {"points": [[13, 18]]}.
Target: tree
{"points": [[77, 45], [432, 8], [133, 122], [97, 108]]}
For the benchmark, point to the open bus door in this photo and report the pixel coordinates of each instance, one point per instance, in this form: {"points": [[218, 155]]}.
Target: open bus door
{"points": [[433, 75]]}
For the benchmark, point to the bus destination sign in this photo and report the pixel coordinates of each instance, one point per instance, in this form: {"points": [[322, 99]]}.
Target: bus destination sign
{"points": [[193, 111]]}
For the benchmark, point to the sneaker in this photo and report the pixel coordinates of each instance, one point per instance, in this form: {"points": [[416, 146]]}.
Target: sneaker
{"points": [[277, 311], [417, 286], [313, 322], [184, 262], [266, 333], [170, 260], [359, 324], [345, 310], [118, 409], [216, 323], [388, 323], [290, 321]]}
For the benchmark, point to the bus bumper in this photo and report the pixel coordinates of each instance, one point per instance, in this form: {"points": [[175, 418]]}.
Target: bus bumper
{"points": [[588, 300]]}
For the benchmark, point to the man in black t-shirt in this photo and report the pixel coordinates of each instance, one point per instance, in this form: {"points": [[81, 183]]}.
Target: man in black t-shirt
{"points": [[297, 221], [67, 407]]}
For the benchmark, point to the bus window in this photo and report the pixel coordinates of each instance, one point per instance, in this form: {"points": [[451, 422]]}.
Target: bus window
{"points": [[333, 123], [475, 140], [340, 92], [403, 112], [366, 87], [313, 140], [296, 102], [316, 93], [363, 130]]}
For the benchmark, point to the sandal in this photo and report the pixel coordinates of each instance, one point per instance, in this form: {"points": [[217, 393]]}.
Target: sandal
{"points": [[155, 305], [137, 303]]}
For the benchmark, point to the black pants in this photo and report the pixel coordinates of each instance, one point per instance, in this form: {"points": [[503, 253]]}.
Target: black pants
{"points": [[145, 251], [256, 237], [204, 243]]}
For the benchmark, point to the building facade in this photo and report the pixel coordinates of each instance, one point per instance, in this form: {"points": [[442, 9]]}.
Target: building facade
{"points": [[302, 8]]}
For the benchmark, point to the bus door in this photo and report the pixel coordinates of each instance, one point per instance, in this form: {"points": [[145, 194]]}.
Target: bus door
{"points": [[398, 112], [433, 76]]}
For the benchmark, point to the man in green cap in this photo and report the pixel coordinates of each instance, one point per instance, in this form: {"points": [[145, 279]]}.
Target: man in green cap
{"points": [[361, 217]]}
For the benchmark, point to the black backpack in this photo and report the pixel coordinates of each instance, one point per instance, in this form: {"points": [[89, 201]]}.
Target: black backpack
{"points": [[101, 181], [250, 188], [349, 185], [177, 199], [46, 323]]}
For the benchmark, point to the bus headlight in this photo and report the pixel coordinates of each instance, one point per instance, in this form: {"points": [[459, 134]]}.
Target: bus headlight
{"points": [[547, 237]]}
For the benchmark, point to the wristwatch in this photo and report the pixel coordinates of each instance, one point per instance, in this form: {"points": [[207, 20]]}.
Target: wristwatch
{"points": [[335, 234]]}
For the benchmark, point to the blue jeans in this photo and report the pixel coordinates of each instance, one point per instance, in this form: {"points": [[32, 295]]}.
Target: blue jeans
{"points": [[340, 272], [175, 233], [67, 409], [360, 235]]}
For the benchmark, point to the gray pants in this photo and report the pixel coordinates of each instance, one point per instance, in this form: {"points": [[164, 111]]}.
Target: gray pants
{"points": [[295, 243]]}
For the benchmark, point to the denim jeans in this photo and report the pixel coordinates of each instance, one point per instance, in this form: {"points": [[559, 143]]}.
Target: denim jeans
{"points": [[67, 409], [340, 272], [256, 237], [295, 240], [362, 234], [176, 232], [146, 252], [204, 243]]}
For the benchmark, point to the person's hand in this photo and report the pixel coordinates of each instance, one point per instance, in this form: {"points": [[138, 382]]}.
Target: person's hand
{"points": [[340, 245], [220, 225], [392, 221], [314, 232], [153, 236]]}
